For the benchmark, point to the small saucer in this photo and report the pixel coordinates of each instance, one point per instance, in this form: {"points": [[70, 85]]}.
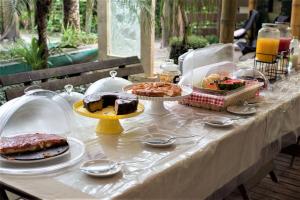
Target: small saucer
{"points": [[242, 110], [159, 140], [100, 168], [218, 121]]}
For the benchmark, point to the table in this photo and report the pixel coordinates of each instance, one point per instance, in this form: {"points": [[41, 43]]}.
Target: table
{"points": [[193, 169]]}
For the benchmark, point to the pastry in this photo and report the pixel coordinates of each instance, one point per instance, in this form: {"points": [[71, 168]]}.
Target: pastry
{"points": [[123, 103], [30, 143], [156, 89]]}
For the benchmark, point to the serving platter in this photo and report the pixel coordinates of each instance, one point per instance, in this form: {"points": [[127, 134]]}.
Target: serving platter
{"points": [[249, 83], [75, 154], [38, 156], [157, 103]]}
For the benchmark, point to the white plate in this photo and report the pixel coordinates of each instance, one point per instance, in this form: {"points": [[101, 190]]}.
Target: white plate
{"points": [[100, 168], [242, 110], [34, 161], [218, 121], [159, 140]]}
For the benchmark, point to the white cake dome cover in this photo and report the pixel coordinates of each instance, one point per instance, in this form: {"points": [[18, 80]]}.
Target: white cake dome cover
{"points": [[110, 84], [38, 111]]}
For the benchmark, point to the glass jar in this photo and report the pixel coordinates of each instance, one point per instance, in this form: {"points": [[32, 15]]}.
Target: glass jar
{"points": [[170, 73], [295, 52], [285, 36], [267, 43]]}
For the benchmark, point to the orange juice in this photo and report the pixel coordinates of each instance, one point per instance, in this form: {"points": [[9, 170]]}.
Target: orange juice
{"points": [[267, 49]]}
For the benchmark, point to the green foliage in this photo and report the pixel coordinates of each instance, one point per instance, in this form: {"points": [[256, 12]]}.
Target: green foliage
{"points": [[55, 20], [212, 39], [31, 54], [193, 42], [158, 14], [72, 38], [178, 48]]}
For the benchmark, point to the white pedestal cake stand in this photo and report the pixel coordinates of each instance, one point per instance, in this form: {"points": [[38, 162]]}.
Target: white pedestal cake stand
{"points": [[157, 106]]}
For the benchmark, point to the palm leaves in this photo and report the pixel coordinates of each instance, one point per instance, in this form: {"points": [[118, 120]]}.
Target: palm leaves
{"points": [[31, 54]]}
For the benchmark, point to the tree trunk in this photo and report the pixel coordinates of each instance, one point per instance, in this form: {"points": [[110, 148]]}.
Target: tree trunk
{"points": [[228, 19], [185, 22], [295, 24], [32, 16], [1, 17], [176, 20], [9, 21], [166, 22], [89, 15], [71, 14], [43, 9]]}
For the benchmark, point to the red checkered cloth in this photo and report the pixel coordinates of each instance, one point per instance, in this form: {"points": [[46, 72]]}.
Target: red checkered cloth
{"points": [[198, 97]]}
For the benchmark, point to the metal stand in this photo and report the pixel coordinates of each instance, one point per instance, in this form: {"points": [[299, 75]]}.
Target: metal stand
{"points": [[272, 66]]}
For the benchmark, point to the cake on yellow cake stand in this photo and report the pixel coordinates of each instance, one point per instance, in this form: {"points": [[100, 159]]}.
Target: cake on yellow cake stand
{"points": [[108, 120]]}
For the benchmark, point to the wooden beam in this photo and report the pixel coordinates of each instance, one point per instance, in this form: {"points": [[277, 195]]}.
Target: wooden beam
{"points": [[251, 4], [103, 28], [295, 22], [148, 39], [228, 17]]}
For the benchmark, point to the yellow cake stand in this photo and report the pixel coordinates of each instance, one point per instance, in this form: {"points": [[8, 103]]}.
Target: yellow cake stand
{"points": [[108, 120]]}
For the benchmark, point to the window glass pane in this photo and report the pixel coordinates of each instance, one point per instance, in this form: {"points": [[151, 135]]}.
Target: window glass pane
{"points": [[125, 30]]}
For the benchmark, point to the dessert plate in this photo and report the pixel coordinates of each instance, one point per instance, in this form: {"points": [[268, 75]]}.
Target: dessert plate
{"points": [[100, 168], [242, 110], [159, 140], [218, 121]]}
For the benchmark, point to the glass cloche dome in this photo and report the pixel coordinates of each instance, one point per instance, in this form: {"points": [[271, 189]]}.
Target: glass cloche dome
{"points": [[39, 111], [110, 84]]}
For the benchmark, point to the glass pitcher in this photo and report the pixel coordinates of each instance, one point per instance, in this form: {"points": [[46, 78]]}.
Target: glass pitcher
{"points": [[267, 43], [285, 36]]}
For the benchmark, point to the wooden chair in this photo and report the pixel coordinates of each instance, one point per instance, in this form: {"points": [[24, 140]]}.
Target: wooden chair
{"points": [[292, 150], [78, 74]]}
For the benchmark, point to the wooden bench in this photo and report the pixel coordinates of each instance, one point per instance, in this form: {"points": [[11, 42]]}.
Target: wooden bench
{"points": [[79, 74]]}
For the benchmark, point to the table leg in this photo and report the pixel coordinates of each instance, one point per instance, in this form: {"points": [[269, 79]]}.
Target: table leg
{"points": [[5, 187], [3, 195], [244, 192], [273, 176]]}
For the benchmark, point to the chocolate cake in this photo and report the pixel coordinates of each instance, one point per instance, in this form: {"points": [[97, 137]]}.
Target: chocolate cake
{"points": [[123, 103]]}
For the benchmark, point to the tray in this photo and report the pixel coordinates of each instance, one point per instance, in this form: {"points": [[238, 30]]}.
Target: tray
{"points": [[248, 92]]}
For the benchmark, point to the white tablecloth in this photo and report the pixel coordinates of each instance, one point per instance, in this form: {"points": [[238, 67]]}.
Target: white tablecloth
{"points": [[192, 169]]}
